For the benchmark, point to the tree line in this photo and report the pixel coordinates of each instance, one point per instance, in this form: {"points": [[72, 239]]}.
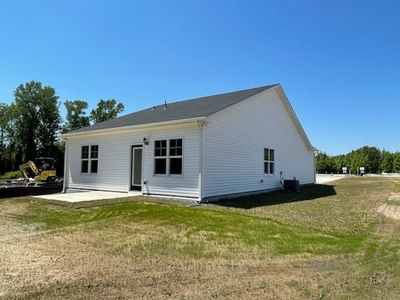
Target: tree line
{"points": [[30, 126], [371, 158]]}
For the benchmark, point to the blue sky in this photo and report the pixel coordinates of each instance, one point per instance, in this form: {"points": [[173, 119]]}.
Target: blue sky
{"points": [[338, 61]]}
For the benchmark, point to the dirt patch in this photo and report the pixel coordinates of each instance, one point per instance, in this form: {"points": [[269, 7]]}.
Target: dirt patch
{"points": [[10, 230], [390, 211], [85, 262], [394, 196], [67, 265]]}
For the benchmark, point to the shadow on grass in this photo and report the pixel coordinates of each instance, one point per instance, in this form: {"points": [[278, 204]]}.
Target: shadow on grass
{"points": [[280, 197]]}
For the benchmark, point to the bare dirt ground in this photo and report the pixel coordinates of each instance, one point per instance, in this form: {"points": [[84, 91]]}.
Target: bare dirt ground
{"points": [[68, 261], [70, 264], [391, 209]]}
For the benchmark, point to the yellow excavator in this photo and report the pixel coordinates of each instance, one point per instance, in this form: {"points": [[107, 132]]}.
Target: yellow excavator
{"points": [[45, 173]]}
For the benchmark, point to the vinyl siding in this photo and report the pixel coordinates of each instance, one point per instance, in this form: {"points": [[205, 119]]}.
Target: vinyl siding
{"points": [[234, 142], [115, 161]]}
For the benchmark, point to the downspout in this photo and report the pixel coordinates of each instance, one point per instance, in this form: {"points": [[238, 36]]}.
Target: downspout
{"points": [[201, 160], [64, 190], [315, 152]]}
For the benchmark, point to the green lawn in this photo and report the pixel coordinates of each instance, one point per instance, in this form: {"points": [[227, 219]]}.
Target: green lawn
{"points": [[326, 242]]}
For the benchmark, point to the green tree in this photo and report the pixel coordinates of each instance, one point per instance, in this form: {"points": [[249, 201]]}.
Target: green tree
{"points": [[76, 115], [396, 162], [387, 162], [368, 157], [340, 161], [373, 158], [359, 159], [38, 119], [9, 153], [105, 110], [325, 163], [49, 122], [3, 123]]}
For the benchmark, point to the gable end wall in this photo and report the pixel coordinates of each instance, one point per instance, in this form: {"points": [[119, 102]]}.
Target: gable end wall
{"points": [[234, 141]]}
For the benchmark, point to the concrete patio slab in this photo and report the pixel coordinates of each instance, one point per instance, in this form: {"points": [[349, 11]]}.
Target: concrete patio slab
{"points": [[81, 196]]}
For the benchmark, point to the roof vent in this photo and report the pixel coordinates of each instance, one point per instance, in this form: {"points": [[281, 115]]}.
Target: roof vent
{"points": [[153, 108], [165, 105]]}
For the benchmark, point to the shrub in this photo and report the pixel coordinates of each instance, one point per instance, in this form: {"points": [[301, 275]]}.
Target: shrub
{"points": [[11, 175]]}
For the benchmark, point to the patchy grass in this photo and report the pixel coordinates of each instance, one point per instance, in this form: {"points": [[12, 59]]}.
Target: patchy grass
{"points": [[345, 207], [223, 227], [326, 242], [393, 202]]}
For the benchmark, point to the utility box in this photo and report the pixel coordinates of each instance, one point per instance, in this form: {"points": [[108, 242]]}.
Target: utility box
{"points": [[291, 185]]}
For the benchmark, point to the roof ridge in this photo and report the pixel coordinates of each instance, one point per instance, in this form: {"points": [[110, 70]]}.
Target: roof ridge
{"points": [[263, 87]]}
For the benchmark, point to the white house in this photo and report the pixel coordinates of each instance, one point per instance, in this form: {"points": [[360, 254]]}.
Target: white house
{"points": [[205, 148]]}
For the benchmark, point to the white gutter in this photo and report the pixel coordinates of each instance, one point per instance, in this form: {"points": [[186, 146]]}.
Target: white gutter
{"points": [[133, 127], [201, 125], [65, 167]]}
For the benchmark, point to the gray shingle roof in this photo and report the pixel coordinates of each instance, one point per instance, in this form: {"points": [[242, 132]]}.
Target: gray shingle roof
{"points": [[198, 107]]}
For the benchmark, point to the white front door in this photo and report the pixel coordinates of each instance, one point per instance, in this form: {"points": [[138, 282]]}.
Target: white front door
{"points": [[136, 176]]}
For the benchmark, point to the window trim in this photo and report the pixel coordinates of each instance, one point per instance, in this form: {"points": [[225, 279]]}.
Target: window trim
{"points": [[269, 161], [168, 158], [90, 159]]}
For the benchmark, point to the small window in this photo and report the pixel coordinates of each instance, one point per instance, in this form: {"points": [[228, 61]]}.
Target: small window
{"points": [[160, 157], [85, 159], [89, 159], [168, 157], [94, 156], [269, 161], [175, 157]]}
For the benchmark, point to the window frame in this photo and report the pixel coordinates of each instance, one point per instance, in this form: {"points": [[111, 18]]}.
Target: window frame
{"points": [[268, 161], [161, 157], [175, 157], [86, 159], [168, 158], [89, 159]]}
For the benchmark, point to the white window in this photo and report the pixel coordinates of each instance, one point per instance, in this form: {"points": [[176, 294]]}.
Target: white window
{"points": [[175, 157], [85, 159], [160, 157], [168, 157], [269, 161], [89, 159]]}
